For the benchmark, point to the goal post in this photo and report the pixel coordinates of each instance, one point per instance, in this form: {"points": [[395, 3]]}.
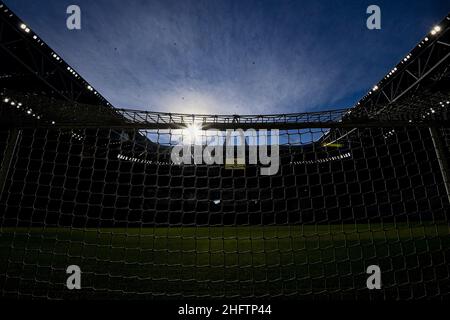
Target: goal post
{"points": [[442, 155], [9, 144]]}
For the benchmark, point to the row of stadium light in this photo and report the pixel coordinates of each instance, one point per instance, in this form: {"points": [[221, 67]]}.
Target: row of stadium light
{"points": [[137, 160], [27, 30], [5, 10], [442, 104], [436, 29], [73, 72], [92, 90], [324, 160], [77, 136], [20, 106], [74, 135], [389, 134]]}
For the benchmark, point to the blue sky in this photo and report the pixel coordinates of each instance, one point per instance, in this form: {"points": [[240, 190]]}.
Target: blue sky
{"points": [[227, 57]]}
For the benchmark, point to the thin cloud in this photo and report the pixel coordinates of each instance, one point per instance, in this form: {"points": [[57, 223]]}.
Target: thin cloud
{"points": [[228, 56]]}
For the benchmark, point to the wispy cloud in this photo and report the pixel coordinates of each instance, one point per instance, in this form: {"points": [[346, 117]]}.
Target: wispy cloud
{"points": [[228, 56]]}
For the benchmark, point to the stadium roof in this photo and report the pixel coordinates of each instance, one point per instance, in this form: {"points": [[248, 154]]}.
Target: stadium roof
{"points": [[52, 92], [424, 69], [30, 65]]}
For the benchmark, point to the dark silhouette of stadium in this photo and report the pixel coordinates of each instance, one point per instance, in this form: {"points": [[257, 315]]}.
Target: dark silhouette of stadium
{"points": [[72, 160]]}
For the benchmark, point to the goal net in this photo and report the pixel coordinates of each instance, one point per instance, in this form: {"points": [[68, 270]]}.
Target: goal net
{"points": [[112, 201]]}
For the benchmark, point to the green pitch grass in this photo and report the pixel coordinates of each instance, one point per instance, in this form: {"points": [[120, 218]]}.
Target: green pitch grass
{"points": [[252, 261]]}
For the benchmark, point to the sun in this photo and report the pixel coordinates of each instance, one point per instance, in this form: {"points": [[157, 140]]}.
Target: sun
{"points": [[193, 134]]}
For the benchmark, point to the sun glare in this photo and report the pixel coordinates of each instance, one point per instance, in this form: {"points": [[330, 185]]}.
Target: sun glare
{"points": [[193, 134]]}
